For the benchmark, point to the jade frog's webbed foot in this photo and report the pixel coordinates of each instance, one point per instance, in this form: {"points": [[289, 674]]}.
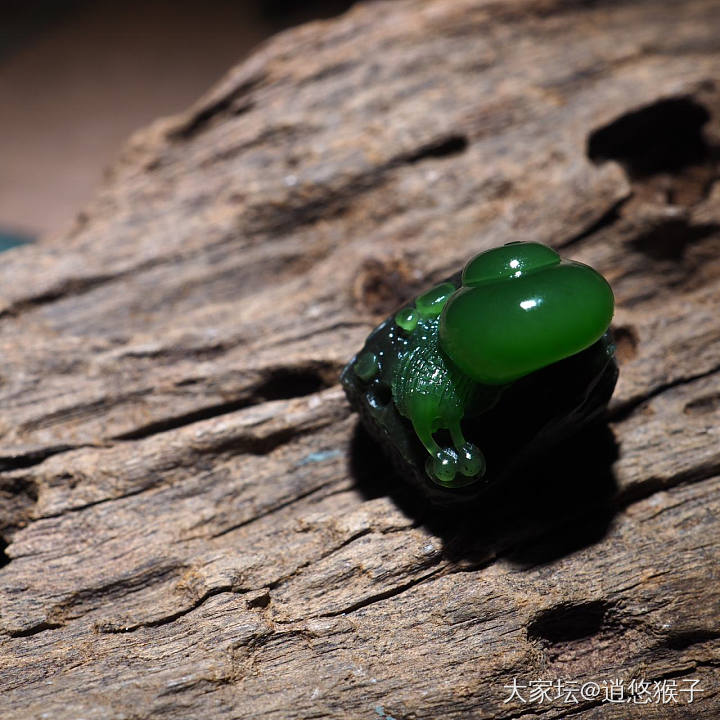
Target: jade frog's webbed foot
{"points": [[453, 467], [450, 466]]}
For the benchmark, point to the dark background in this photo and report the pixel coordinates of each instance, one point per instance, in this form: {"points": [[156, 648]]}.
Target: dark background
{"points": [[78, 77]]}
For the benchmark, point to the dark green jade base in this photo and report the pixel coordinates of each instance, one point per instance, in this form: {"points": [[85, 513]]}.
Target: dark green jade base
{"points": [[484, 371]]}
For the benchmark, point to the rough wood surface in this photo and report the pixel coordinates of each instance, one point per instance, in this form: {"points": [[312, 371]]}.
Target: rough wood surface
{"points": [[195, 526]]}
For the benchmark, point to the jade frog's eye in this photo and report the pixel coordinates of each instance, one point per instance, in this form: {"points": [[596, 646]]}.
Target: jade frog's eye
{"points": [[507, 262], [520, 309]]}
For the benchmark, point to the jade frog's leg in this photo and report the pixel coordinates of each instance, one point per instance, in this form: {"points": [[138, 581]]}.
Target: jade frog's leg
{"points": [[444, 463], [434, 396], [422, 413]]}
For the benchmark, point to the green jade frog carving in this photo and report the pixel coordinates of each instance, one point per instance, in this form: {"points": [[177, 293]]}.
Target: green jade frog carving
{"points": [[454, 352]]}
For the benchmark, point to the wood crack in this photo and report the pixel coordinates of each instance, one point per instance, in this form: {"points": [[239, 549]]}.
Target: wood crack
{"points": [[34, 457], [606, 220], [647, 488], [35, 629], [620, 412], [111, 629], [201, 118], [72, 287], [179, 421], [269, 511], [300, 209], [386, 594], [277, 383]]}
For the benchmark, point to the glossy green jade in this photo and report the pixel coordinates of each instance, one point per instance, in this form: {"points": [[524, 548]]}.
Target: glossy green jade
{"points": [[449, 356], [521, 308]]}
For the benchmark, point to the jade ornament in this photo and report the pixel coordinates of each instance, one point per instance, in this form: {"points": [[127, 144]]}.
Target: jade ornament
{"points": [[508, 325]]}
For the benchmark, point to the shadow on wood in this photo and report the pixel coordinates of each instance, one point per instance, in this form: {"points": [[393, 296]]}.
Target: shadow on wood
{"points": [[560, 503]]}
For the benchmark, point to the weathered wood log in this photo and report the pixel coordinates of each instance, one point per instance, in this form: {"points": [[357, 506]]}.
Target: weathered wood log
{"points": [[195, 525]]}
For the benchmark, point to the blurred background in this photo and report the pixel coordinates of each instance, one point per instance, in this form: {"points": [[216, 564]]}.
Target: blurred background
{"points": [[77, 77]]}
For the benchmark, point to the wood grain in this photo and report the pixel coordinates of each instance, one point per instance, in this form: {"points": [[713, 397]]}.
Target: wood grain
{"points": [[195, 525]]}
